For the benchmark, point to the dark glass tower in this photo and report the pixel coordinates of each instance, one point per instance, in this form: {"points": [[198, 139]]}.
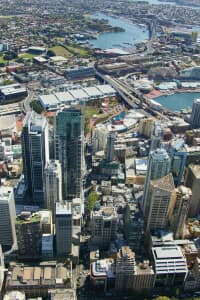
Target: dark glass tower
{"points": [[69, 150]]}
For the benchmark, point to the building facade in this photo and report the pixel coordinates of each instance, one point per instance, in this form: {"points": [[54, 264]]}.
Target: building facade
{"points": [[180, 211], [170, 266], [35, 154], [192, 180], [125, 269], [158, 166], [63, 228], [161, 200], [109, 153], [7, 217], [195, 116], [69, 150], [104, 226], [29, 235], [53, 186]]}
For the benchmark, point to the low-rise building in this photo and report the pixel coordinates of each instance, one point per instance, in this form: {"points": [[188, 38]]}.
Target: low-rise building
{"points": [[35, 281], [170, 266], [102, 273]]}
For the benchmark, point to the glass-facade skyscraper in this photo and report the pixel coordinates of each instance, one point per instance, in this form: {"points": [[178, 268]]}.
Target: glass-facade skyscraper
{"points": [[35, 154], [69, 150]]}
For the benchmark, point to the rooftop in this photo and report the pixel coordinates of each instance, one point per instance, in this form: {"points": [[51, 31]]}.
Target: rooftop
{"points": [[31, 219], [103, 268], [43, 274], [164, 183]]}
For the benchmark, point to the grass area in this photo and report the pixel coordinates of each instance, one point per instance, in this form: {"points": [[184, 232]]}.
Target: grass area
{"points": [[2, 60], [60, 39], [90, 111], [19, 220], [61, 51], [6, 17], [26, 55], [78, 51]]}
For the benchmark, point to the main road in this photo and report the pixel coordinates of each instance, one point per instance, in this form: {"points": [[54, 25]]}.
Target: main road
{"points": [[26, 103]]}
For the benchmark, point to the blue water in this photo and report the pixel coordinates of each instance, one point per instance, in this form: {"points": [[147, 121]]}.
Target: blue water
{"points": [[132, 34], [178, 101], [119, 117]]}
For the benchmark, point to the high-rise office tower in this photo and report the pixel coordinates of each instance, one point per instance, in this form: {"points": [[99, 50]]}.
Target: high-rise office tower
{"points": [[178, 156], [69, 150], [161, 197], [109, 153], [63, 228], [2, 268], [99, 138], [158, 166], [192, 180], [104, 226], [53, 186], [35, 154], [195, 116], [125, 269], [180, 211], [29, 235], [7, 218], [156, 136]]}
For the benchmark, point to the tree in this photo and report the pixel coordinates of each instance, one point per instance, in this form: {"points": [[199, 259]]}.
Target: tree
{"points": [[92, 198], [36, 106], [50, 53], [162, 298]]}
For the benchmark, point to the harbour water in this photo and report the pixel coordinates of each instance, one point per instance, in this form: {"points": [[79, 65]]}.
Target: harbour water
{"points": [[178, 101], [133, 34]]}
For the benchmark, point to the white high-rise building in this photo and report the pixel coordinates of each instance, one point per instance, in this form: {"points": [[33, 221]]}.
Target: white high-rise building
{"points": [[63, 228], [195, 116], [53, 186], [158, 166], [99, 138], [35, 155], [7, 217]]}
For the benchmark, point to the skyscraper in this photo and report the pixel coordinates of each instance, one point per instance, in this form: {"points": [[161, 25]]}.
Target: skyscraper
{"points": [[109, 153], [29, 235], [158, 166], [7, 218], [53, 186], [35, 154], [63, 228], [195, 116], [161, 197], [192, 180], [180, 211], [156, 136], [69, 150]]}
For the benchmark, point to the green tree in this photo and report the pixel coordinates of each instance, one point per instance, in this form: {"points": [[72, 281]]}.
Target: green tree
{"points": [[50, 53], [92, 198], [162, 298], [36, 106]]}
